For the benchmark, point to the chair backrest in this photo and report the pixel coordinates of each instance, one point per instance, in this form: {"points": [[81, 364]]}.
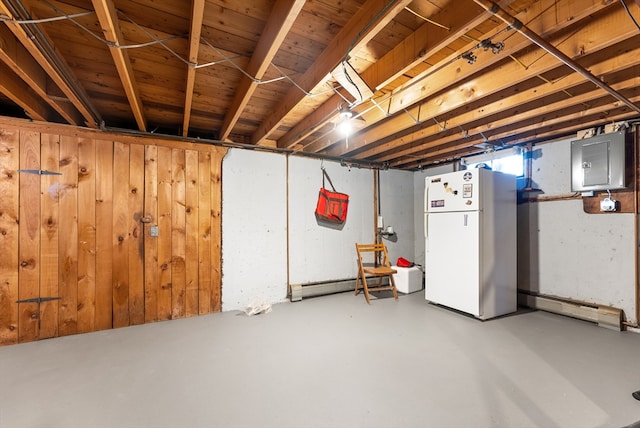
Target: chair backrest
{"points": [[376, 249]]}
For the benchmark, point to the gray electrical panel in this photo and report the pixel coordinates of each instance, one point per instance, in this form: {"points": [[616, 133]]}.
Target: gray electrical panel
{"points": [[598, 163]]}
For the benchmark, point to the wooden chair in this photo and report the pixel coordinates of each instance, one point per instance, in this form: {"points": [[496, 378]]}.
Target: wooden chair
{"points": [[374, 270]]}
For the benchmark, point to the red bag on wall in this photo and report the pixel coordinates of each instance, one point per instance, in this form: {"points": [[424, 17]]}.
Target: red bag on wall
{"points": [[332, 206]]}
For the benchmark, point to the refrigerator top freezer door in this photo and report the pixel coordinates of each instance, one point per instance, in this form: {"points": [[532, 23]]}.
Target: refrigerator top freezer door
{"points": [[454, 191]]}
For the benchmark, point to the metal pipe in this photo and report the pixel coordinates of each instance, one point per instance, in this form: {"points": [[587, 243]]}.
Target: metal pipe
{"points": [[551, 198], [517, 25]]}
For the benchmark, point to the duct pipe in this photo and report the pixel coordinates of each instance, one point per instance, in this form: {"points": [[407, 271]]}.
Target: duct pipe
{"points": [[535, 38]]}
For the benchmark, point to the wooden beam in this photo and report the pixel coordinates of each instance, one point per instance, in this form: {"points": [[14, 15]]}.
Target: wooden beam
{"points": [[281, 19], [360, 29], [552, 50], [513, 107], [535, 131], [16, 57], [453, 95], [528, 109], [14, 88], [426, 41], [197, 14], [523, 98], [560, 111], [53, 71], [108, 18]]}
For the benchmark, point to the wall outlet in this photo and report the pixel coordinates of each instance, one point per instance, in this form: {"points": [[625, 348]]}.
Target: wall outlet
{"points": [[153, 231]]}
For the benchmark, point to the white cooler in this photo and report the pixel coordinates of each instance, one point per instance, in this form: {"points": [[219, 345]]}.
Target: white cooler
{"points": [[408, 279]]}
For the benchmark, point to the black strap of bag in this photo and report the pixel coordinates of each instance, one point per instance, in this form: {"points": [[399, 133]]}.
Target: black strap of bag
{"points": [[324, 174]]}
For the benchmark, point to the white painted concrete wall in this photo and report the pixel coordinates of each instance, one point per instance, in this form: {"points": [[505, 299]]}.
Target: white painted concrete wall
{"points": [[565, 252], [396, 208], [318, 252], [261, 251], [254, 228], [562, 251]]}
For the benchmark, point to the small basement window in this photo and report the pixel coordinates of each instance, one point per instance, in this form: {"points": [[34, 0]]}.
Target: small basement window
{"points": [[510, 161]]}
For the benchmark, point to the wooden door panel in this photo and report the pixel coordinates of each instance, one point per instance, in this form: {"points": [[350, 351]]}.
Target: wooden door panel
{"points": [[79, 252], [29, 250], [86, 235], [9, 234], [150, 242], [104, 234], [68, 240], [120, 238], [49, 235], [136, 231]]}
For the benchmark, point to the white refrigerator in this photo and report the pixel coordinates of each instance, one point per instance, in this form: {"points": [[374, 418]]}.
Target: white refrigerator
{"points": [[470, 232]]}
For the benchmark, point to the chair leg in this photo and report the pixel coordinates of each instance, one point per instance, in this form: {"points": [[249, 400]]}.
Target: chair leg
{"points": [[366, 288], [393, 287], [355, 292]]}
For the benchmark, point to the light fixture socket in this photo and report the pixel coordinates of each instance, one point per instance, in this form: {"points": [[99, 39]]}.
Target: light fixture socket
{"points": [[346, 113]]}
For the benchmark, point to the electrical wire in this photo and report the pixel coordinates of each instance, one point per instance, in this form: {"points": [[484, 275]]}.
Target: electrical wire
{"points": [[307, 93], [626, 8], [153, 41], [9, 20], [111, 44], [240, 69], [424, 18], [152, 37], [355, 40]]}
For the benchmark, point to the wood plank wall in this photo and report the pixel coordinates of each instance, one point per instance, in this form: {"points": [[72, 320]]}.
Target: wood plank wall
{"points": [[81, 240]]}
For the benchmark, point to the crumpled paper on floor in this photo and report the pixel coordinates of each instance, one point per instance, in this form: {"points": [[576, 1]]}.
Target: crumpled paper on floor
{"points": [[258, 308]]}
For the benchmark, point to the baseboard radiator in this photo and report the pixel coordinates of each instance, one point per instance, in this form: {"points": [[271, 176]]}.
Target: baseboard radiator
{"points": [[604, 316], [300, 291]]}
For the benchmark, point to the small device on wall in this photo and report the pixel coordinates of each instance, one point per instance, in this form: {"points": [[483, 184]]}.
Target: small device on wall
{"points": [[608, 204]]}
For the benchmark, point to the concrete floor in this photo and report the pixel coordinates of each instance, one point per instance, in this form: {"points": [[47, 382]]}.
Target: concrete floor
{"points": [[330, 361]]}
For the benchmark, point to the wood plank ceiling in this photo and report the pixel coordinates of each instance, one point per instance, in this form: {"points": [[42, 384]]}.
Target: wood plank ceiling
{"points": [[427, 80]]}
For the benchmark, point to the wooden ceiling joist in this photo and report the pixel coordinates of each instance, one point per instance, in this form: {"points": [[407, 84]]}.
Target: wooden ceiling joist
{"points": [[508, 75], [197, 14], [532, 106], [537, 131], [53, 65], [589, 103], [16, 57], [519, 106], [280, 21], [109, 22], [421, 44], [14, 88], [557, 53], [361, 28], [449, 77]]}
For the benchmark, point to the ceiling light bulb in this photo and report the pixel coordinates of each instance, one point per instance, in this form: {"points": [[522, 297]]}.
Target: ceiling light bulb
{"points": [[345, 127]]}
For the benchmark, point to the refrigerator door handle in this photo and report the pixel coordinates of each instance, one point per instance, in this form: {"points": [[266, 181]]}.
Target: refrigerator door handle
{"points": [[426, 210], [426, 197], [426, 226], [466, 216]]}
